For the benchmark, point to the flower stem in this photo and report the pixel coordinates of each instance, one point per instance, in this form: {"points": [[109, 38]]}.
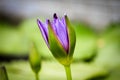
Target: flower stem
{"points": [[68, 72], [37, 77]]}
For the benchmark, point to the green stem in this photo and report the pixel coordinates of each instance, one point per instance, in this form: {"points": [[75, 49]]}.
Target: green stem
{"points": [[37, 77], [68, 72]]}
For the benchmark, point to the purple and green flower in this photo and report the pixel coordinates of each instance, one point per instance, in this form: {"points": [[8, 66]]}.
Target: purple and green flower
{"points": [[60, 38]]}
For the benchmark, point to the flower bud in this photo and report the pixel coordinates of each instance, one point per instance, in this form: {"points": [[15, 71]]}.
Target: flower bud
{"points": [[34, 59], [59, 37]]}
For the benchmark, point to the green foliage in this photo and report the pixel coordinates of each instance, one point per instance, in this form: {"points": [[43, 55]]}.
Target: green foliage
{"points": [[51, 70], [12, 41], [108, 55], [3, 73], [109, 47], [86, 40]]}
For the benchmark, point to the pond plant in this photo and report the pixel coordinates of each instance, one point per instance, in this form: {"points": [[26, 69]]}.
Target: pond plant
{"points": [[60, 38]]}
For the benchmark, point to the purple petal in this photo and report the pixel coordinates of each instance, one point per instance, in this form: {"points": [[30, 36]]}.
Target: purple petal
{"points": [[44, 30], [61, 30], [63, 21]]}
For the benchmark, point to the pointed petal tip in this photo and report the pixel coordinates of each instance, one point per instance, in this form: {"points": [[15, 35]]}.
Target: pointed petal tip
{"points": [[48, 21], [38, 20], [55, 16], [65, 16], [66, 19]]}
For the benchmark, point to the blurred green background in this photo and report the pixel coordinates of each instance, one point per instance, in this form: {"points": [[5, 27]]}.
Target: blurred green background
{"points": [[96, 55]]}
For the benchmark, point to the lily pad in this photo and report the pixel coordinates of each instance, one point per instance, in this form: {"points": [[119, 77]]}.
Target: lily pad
{"points": [[20, 70]]}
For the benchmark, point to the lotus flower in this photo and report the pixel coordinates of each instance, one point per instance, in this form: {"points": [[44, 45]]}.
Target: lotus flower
{"points": [[59, 37]]}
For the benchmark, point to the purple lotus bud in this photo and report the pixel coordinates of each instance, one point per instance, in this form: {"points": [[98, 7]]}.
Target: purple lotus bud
{"points": [[59, 36]]}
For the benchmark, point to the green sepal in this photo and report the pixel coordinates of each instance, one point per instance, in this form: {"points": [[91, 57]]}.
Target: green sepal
{"points": [[34, 59], [71, 36], [56, 47]]}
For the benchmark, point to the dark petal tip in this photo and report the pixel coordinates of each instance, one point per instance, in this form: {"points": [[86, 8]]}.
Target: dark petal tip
{"points": [[48, 21], [65, 16], [37, 20], [55, 16]]}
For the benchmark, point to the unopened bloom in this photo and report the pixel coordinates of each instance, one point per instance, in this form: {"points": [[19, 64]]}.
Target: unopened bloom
{"points": [[34, 59], [59, 37]]}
